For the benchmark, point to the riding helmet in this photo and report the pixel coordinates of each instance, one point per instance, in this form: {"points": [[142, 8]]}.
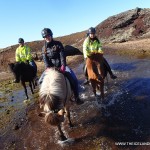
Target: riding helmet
{"points": [[20, 40], [46, 32], [91, 30]]}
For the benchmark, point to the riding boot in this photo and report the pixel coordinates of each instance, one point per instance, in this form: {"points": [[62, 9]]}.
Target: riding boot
{"points": [[74, 88], [109, 69]]}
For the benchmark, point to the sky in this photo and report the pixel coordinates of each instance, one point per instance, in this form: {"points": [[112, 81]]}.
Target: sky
{"points": [[27, 18]]}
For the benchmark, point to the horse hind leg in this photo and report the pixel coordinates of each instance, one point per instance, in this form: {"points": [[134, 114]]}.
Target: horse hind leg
{"points": [[68, 116], [33, 83], [62, 136], [94, 87], [102, 90], [30, 84]]}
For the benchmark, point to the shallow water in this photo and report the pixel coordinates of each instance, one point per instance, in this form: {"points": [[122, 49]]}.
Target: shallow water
{"points": [[121, 122]]}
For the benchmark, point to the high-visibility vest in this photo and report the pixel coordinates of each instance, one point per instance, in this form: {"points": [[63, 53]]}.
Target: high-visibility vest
{"points": [[90, 46], [23, 54]]}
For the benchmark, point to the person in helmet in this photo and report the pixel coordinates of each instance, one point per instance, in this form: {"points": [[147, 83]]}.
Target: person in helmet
{"points": [[92, 44], [54, 56], [23, 54]]}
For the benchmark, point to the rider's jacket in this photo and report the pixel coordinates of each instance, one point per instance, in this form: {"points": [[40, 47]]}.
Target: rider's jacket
{"points": [[91, 46], [23, 54], [53, 54]]}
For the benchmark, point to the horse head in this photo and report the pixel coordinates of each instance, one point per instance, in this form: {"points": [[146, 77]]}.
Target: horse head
{"points": [[53, 116], [97, 57], [14, 69], [11, 66], [55, 93]]}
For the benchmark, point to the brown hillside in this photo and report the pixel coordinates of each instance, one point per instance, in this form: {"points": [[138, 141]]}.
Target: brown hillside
{"points": [[125, 26], [124, 33]]}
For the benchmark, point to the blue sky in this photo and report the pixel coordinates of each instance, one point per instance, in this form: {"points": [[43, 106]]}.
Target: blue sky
{"points": [[27, 18]]}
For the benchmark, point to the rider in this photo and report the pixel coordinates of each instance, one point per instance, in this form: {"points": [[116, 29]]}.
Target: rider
{"points": [[92, 44], [54, 56], [23, 54]]}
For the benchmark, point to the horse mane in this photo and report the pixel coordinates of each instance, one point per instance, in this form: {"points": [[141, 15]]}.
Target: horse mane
{"points": [[95, 63], [53, 86]]}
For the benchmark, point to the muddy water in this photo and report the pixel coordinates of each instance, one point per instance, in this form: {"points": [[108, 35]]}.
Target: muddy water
{"points": [[121, 122]]}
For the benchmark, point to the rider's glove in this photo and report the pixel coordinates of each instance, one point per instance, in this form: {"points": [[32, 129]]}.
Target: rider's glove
{"points": [[47, 68], [62, 69]]}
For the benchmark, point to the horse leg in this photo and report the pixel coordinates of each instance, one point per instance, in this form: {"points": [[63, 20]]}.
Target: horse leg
{"points": [[25, 89], [33, 84], [94, 87], [102, 90], [68, 116], [30, 84], [62, 136]]}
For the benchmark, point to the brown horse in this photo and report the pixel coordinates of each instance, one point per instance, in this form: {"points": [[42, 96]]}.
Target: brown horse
{"points": [[96, 72], [55, 93]]}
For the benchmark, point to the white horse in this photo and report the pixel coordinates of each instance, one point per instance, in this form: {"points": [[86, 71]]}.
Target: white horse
{"points": [[55, 93]]}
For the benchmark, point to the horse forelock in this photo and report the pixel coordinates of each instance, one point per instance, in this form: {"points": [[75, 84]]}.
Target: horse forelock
{"points": [[53, 83], [52, 103]]}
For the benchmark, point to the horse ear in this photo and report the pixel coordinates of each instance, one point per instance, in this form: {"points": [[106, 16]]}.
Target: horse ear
{"points": [[11, 66], [42, 114], [42, 100], [61, 112]]}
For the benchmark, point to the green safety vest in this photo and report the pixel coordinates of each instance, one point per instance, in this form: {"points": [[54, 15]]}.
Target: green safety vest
{"points": [[90, 47], [23, 54]]}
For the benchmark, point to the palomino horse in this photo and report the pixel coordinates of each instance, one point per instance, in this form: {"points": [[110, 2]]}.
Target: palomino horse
{"points": [[25, 73], [55, 93], [96, 72]]}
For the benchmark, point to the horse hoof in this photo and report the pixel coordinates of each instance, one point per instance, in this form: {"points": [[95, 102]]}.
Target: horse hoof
{"points": [[71, 125], [63, 138]]}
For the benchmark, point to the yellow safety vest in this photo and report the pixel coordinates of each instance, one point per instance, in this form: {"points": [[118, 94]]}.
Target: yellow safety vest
{"points": [[23, 54], [90, 47]]}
